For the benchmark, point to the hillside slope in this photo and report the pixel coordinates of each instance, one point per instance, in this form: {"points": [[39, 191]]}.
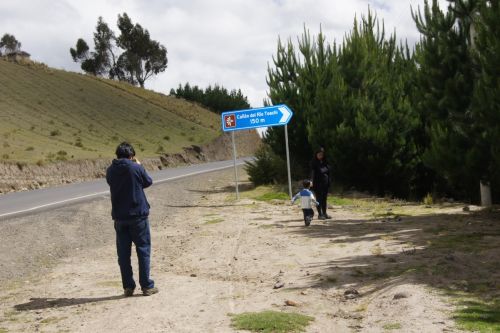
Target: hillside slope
{"points": [[48, 115]]}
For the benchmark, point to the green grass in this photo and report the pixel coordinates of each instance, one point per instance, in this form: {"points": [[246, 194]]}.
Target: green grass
{"points": [[265, 193], [338, 201], [392, 326], [44, 111], [266, 226], [273, 196], [52, 320], [478, 316], [471, 242], [214, 221], [271, 322]]}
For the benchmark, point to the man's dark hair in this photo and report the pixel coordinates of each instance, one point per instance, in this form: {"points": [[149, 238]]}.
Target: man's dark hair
{"points": [[125, 150], [306, 183]]}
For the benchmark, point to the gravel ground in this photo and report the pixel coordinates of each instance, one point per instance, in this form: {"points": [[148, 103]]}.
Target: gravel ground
{"points": [[212, 256]]}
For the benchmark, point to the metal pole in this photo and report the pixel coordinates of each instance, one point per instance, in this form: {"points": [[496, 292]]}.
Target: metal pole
{"points": [[288, 162], [235, 169]]}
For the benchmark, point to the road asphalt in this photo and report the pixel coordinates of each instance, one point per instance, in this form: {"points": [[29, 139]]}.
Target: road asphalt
{"points": [[28, 202]]}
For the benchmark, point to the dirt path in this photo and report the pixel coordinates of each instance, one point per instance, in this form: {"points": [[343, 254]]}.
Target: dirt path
{"points": [[213, 257]]}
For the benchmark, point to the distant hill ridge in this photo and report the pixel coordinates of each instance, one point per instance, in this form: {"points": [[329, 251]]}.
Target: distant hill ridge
{"points": [[51, 115]]}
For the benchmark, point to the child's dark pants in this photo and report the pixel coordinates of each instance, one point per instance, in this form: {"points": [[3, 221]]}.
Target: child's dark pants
{"points": [[308, 212]]}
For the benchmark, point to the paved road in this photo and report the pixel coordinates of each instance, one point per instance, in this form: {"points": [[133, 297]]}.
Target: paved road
{"points": [[20, 203]]}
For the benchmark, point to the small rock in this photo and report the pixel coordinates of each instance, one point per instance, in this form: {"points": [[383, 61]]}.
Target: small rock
{"points": [[450, 257], [466, 209], [291, 303], [400, 295], [279, 285], [192, 275], [303, 292], [409, 252], [351, 293]]}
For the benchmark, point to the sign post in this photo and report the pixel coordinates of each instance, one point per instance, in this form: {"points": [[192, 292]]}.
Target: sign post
{"points": [[278, 115], [288, 163], [235, 168]]}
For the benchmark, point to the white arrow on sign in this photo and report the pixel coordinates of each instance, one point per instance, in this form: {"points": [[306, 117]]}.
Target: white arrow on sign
{"points": [[286, 114]]}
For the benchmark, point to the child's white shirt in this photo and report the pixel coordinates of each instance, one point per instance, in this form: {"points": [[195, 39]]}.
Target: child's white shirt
{"points": [[307, 199]]}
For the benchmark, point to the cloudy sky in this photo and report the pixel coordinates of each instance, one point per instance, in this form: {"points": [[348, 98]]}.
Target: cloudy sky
{"points": [[228, 42]]}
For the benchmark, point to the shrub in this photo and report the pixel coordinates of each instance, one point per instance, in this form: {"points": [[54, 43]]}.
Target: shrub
{"points": [[166, 137], [428, 199], [55, 133], [30, 148], [5, 156], [267, 168], [160, 149], [21, 165]]}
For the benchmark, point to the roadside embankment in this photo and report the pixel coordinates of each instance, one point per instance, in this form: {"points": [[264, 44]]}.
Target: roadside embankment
{"points": [[21, 176]]}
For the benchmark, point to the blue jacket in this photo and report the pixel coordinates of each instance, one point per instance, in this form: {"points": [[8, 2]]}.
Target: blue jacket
{"points": [[126, 180]]}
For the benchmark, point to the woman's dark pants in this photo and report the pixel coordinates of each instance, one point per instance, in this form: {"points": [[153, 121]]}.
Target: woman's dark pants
{"points": [[321, 197]]}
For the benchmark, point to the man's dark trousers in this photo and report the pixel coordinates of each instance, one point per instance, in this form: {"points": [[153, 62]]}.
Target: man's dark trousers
{"points": [[136, 231]]}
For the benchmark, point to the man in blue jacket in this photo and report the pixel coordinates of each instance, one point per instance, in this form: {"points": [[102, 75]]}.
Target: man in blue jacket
{"points": [[127, 180]]}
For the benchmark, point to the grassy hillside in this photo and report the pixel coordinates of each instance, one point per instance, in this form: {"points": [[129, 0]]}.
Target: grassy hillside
{"points": [[48, 114]]}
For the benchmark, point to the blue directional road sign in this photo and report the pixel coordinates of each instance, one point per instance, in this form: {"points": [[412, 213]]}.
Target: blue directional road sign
{"points": [[277, 115]]}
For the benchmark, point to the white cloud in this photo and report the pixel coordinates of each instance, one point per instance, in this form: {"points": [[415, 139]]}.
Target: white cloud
{"points": [[228, 42]]}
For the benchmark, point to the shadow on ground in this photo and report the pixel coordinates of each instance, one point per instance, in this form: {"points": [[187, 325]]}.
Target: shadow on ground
{"points": [[45, 303], [242, 187], [458, 254]]}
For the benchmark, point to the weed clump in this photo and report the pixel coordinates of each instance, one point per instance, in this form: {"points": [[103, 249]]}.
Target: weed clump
{"points": [[271, 321]]}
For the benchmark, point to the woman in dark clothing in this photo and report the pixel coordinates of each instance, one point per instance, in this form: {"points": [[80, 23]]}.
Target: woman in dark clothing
{"points": [[320, 175]]}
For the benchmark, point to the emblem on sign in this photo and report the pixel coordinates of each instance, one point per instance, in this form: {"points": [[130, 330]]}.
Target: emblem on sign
{"points": [[230, 121]]}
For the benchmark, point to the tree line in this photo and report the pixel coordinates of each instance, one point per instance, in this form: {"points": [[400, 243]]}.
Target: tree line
{"points": [[394, 119], [216, 98]]}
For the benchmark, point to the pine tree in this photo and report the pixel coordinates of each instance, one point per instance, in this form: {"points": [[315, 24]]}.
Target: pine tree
{"points": [[445, 85], [486, 97], [354, 100]]}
